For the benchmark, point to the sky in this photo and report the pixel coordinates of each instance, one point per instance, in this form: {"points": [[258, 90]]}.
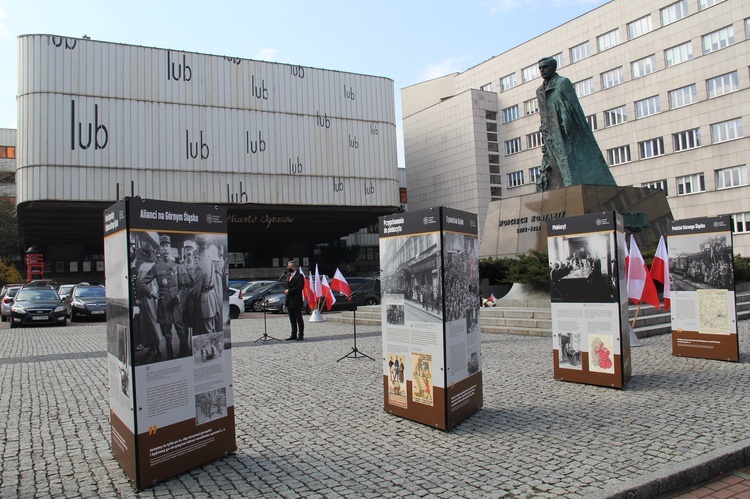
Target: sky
{"points": [[409, 41]]}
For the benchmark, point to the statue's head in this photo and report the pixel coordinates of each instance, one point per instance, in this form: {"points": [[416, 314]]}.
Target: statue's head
{"points": [[547, 67]]}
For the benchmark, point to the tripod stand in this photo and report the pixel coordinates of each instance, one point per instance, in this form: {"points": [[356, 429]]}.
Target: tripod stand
{"points": [[355, 353], [265, 336]]}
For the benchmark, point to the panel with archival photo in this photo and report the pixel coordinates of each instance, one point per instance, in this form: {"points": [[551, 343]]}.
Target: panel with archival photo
{"points": [[700, 261], [582, 268]]}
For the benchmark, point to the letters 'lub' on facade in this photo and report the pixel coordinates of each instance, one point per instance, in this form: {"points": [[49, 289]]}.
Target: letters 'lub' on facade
{"points": [[665, 86], [299, 155]]}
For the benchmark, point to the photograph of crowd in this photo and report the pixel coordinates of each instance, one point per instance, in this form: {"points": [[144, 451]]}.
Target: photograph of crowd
{"points": [[583, 268], [394, 314], [179, 289], [570, 351], [462, 298], [700, 261]]}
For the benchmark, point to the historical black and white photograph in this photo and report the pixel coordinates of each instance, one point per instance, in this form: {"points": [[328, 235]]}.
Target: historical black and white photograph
{"points": [[461, 277], [210, 405], [395, 314], [412, 269], [179, 285], [583, 268], [570, 351], [700, 261], [207, 347]]}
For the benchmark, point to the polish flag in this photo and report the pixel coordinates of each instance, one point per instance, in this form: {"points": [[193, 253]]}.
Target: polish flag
{"points": [[317, 288], [307, 291], [339, 284], [327, 293], [640, 285], [660, 270]]}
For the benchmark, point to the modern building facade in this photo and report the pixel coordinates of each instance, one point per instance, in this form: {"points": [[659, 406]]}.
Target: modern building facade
{"points": [[8, 163], [665, 86], [299, 155]]}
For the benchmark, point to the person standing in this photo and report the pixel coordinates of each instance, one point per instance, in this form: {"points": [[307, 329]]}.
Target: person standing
{"points": [[210, 306], [189, 282], [294, 285], [148, 329]]}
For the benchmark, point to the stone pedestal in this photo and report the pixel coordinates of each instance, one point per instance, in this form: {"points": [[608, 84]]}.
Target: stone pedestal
{"points": [[518, 224]]}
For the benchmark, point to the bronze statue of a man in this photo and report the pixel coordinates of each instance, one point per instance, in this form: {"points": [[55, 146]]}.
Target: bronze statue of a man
{"points": [[570, 154]]}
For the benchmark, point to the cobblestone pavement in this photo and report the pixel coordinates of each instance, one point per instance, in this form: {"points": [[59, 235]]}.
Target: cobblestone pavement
{"points": [[309, 426]]}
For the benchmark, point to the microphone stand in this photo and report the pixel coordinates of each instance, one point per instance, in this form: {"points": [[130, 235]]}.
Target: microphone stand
{"points": [[355, 353], [265, 336]]}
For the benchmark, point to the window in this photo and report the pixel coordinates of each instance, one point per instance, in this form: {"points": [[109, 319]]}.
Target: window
{"points": [[491, 116], [723, 84], [615, 116], [639, 27], [486, 88], [529, 73], [643, 67], [8, 152], [678, 54], [580, 52], [608, 40], [591, 120], [512, 146], [647, 107], [531, 106], [493, 147], [704, 4], [496, 192], [533, 174], [726, 130], [689, 139], [508, 82], [515, 179], [496, 179], [741, 223], [673, 12], [618, 155], [718, 39], [690, 184], [651, 148], [585, 87], [747, 28], [494, 159], [683, 96], [559, 58], [612, 77], [657, 184], [731, 177], [534, 140], [510, 114]]}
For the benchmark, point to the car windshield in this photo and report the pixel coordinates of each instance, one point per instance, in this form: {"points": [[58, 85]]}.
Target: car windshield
{"points": [[64, 290], [253, 287], [12, 292], [36, 295], [89, 292]]}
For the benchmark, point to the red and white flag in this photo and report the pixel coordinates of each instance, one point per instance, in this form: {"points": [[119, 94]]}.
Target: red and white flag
{"points": [[307, 291], [339, 284], [327, 293], [640, 285], [660, 270], [317, 288]]}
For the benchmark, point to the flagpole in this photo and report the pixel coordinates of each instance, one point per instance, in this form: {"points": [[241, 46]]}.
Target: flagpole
{"points": [[637, 311]]}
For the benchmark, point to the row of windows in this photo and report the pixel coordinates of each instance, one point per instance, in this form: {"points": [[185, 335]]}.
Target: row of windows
{"points": [[516, 179], [725, 178], [683, 96], [681, 141], [7, 152], [641, 26]]}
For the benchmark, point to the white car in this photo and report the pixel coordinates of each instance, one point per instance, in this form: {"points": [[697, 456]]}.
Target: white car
{"points": [[236, 303]]}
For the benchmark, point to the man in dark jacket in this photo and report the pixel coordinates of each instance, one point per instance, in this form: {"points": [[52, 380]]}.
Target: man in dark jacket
{"points": [[295, 283]]}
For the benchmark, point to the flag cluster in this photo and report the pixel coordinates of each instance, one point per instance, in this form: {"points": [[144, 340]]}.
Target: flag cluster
{"points": [[320, 291], [641, 286]]}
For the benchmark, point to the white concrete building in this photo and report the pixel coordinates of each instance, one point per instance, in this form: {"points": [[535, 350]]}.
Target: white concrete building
{"points": [[666, 88]]}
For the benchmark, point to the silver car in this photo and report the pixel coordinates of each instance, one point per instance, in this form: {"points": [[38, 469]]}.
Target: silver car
{"points": [[6, 298]]}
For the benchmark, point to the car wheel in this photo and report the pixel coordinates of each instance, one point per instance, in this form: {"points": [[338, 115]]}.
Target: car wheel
{"points": [[258, 306], [63, 323], [12, 324], [234, 312], [371, 301]]}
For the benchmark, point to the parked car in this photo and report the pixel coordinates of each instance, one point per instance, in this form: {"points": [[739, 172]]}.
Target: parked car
{"points": [[237, 283], [276, 303], [236, 303], [6, 298], [254, 299], [43, 283], [253, 286], [87, 301], [64, 290], [37, 305], [365, 290]]}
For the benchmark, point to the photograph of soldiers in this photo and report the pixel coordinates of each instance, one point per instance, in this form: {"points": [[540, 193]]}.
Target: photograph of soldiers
{"points": [[210, 405], [700, 261]]}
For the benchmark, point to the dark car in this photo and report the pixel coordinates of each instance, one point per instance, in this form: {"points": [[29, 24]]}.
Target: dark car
{"points": [[37, 305], [365, 290], [254, 299], [87, 302], [6, 298]]}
